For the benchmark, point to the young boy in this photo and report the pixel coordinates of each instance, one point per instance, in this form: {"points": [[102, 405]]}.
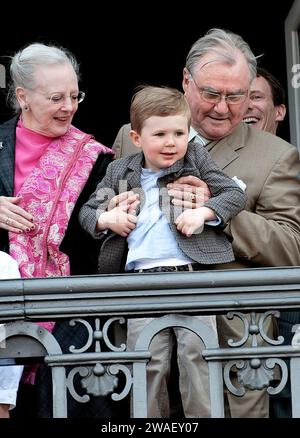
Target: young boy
{"points": [[158, 238]]}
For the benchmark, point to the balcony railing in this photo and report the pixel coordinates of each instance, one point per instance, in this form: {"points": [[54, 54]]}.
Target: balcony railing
{"points": [[172, 298]]}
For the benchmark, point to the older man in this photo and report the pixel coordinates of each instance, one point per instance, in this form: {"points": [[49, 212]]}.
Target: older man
{"points": [[216, 79]]}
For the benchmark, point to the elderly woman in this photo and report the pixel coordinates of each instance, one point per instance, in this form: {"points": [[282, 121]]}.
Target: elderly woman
{"points": [[48, 168]]}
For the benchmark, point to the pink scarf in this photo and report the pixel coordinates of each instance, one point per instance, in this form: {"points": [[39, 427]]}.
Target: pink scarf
{"points": [[50, 193]]}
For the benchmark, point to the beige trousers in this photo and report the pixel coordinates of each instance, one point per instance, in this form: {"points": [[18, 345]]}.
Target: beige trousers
{"points": [[193, 372], [193, 369], [254, 404]]}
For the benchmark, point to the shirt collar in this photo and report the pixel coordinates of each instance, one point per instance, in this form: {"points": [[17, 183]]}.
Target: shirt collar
{"points": [[193, 133]]}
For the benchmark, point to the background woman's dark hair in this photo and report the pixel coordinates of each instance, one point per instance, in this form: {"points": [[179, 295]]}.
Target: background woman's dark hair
{"points": [[278, 92]]}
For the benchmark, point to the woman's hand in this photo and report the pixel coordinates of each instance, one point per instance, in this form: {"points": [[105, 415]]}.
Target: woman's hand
{"points": [[14, 218], [189, 192]]}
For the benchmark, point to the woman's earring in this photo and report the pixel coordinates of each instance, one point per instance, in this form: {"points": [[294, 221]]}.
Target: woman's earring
{"points": [[26, 108]]}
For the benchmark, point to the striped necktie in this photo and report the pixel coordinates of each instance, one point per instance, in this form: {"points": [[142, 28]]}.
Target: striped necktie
{"points": [[200, 140]]}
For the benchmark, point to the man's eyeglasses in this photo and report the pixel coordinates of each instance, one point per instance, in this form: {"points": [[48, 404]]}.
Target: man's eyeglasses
{"points": [[60, 98], [213, 97]]}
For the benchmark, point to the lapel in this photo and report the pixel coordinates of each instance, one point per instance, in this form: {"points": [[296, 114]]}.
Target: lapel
{"points": [[225, 151], [135, 171], [7, 155]]}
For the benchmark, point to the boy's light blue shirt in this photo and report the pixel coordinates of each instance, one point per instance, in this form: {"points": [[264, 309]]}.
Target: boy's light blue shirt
{"points": [[152, 238]]}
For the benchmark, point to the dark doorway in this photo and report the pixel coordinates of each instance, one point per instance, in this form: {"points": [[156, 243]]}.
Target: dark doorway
{"points": [[125, 46]]}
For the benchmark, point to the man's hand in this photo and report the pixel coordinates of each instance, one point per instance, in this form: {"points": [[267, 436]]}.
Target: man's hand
{"points": [[189, 192], [4, 410]]}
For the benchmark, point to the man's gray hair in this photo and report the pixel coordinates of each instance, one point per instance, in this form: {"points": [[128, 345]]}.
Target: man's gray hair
{"points": [[225, 45], [24, 63]]}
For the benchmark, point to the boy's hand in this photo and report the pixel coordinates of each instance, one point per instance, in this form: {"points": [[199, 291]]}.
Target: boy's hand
{"points": [[126, 198], [192, 221], [118, 219]]}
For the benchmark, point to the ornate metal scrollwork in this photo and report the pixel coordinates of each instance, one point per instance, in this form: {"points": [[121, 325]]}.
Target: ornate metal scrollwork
{"points": [[98, 379], [254, 373], [89, 341], [271, 362], [262, 319], [238, 391], [115, 369], [82, 371], [254, 328], [243, 318], [106, 327], [296, 337], [97, 335]]}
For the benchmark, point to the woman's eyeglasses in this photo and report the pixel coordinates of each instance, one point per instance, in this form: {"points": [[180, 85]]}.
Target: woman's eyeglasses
{"points": [[60, 98]]}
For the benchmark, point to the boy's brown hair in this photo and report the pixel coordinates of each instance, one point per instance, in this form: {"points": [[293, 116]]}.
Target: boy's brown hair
{"points": [[151, 101]]}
